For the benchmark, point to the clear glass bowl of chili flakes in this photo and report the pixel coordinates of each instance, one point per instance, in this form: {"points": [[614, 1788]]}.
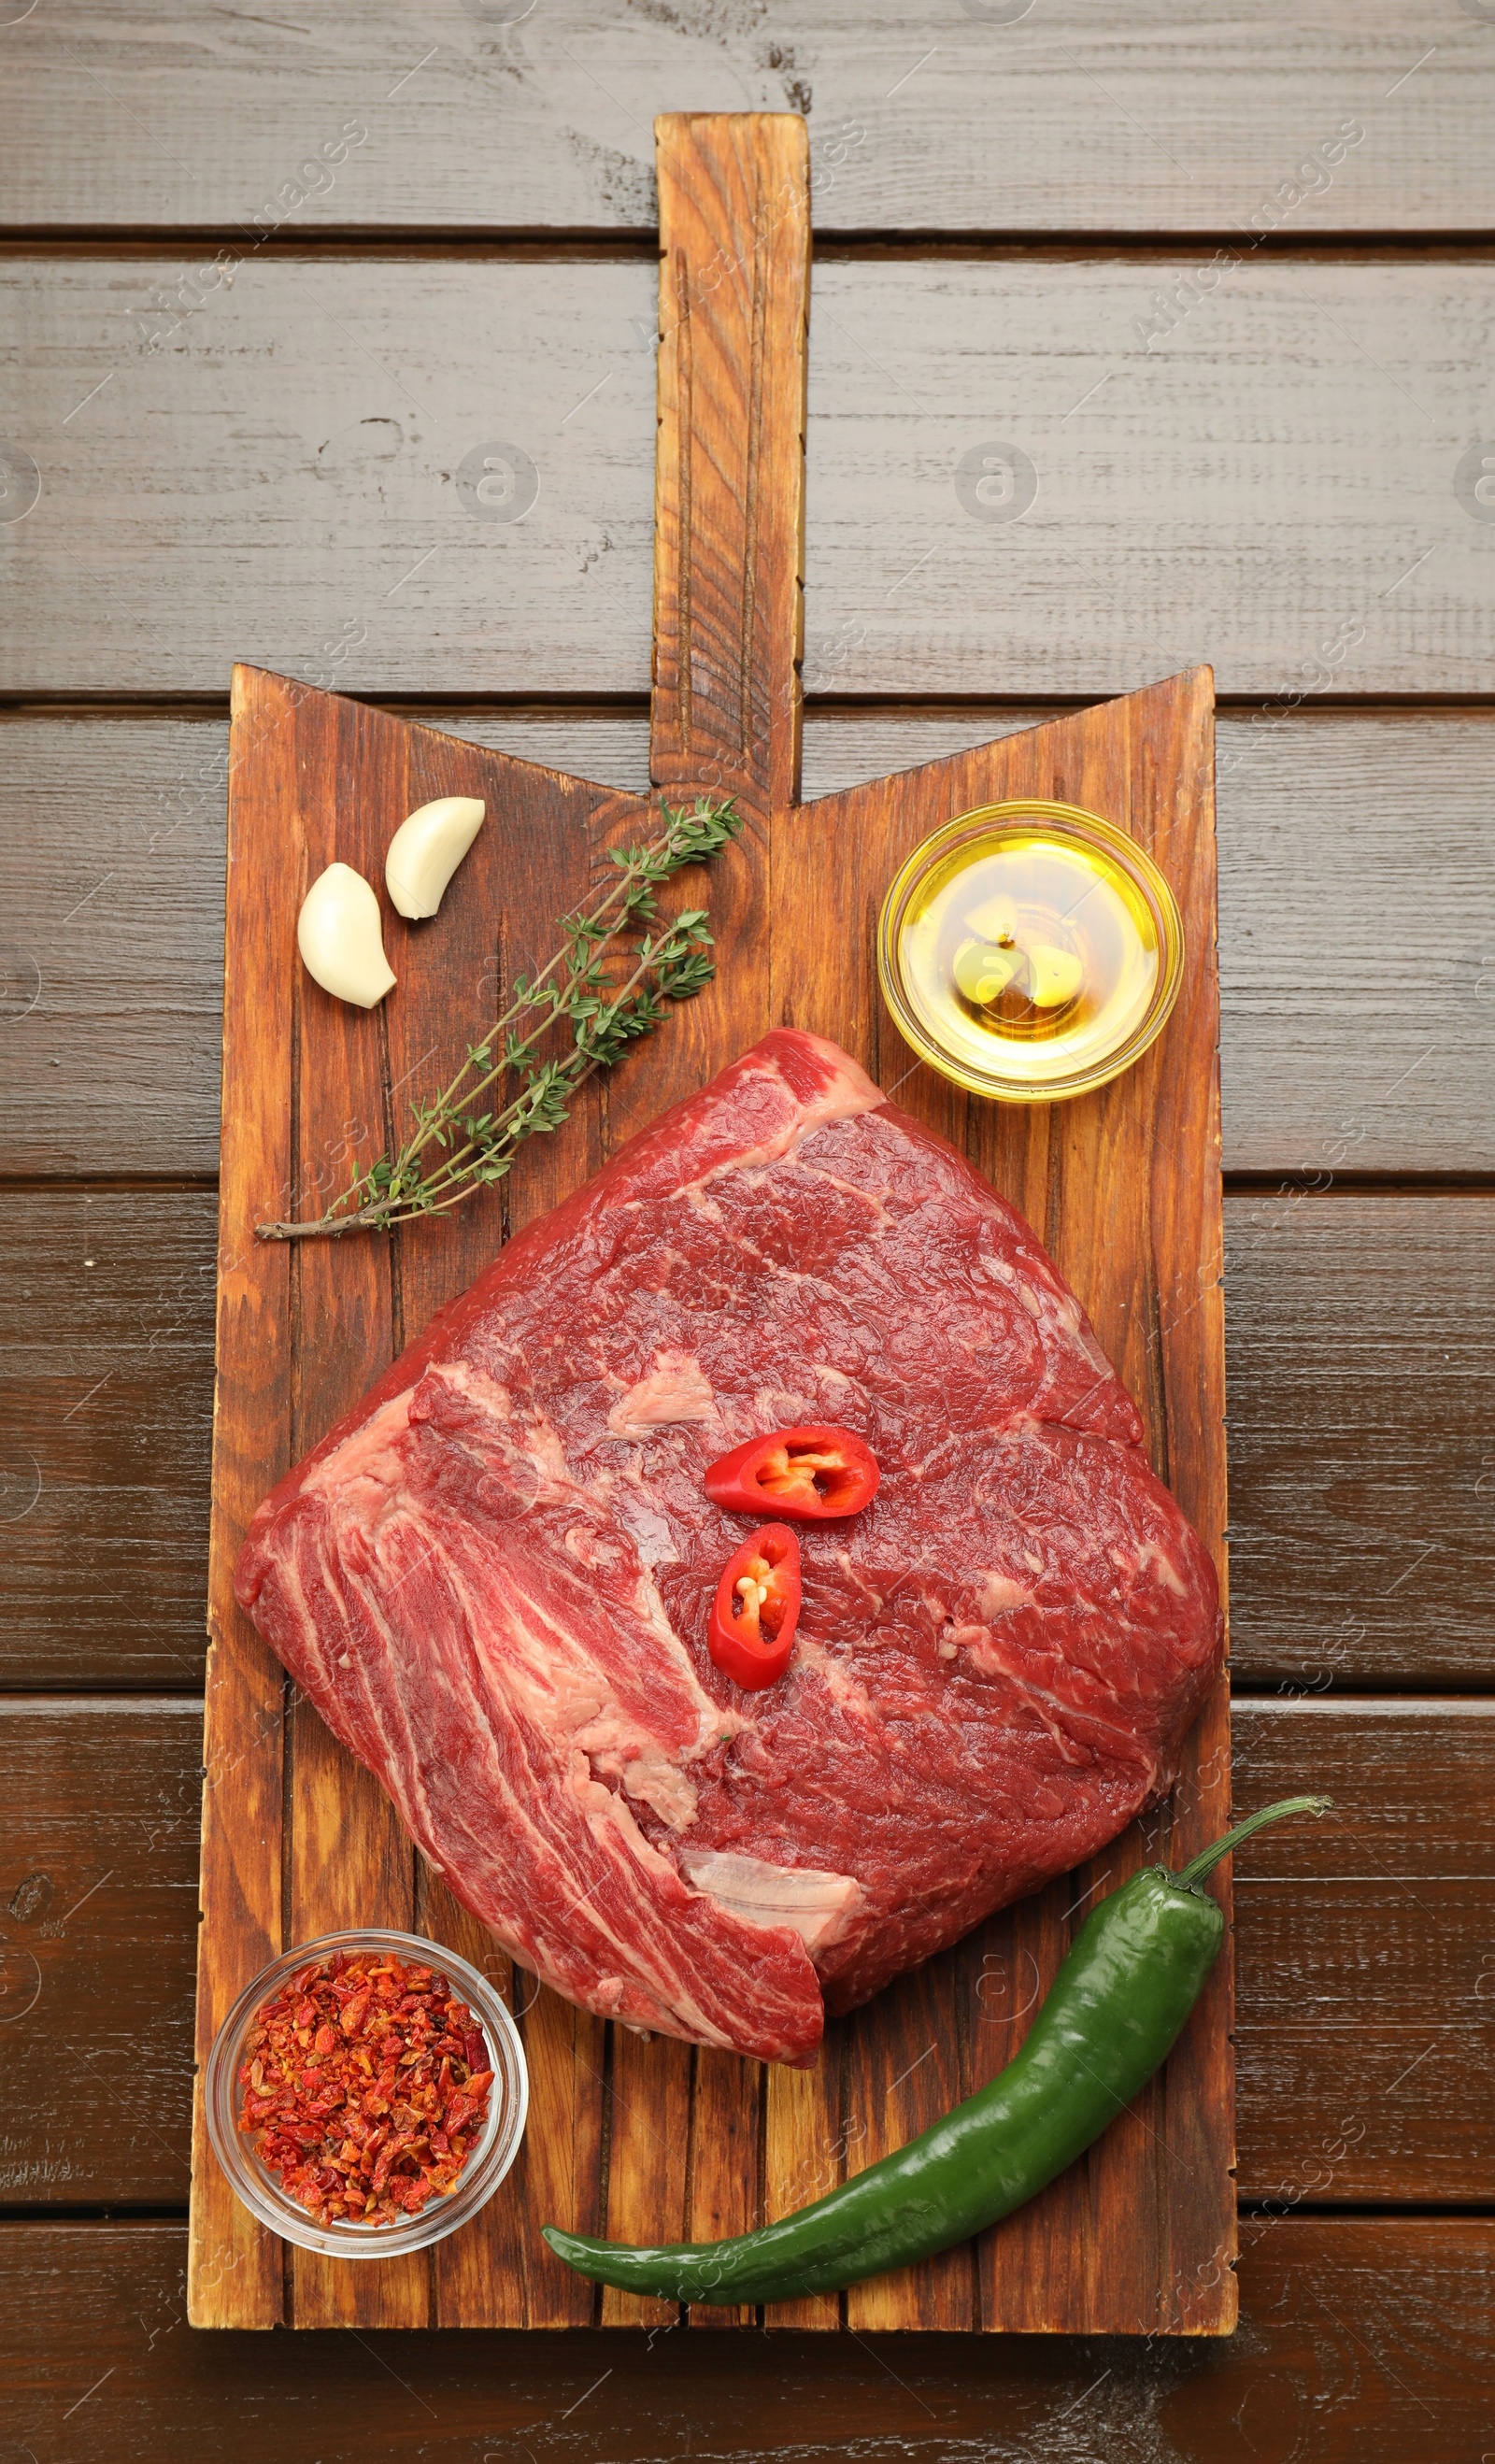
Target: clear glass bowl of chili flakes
{"points": [[367, 2094]]}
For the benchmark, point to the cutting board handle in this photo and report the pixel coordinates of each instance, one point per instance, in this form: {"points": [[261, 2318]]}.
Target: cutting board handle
{"points": [[729, 487]]}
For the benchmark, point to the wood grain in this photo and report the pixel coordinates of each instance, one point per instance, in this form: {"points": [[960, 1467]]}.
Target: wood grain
{"points": [[1362, 1948], [734, 279], [1364, 2341], [1327, 1065], [347, 1859], [235, 2267], [98, 1915], [1255, 489], [314, 775], [1163, 122], [729, 474], [1362, 1355], [803, 2113], [106, 1335], [1365, 2338], [1149, 1261], [684, 2133]]}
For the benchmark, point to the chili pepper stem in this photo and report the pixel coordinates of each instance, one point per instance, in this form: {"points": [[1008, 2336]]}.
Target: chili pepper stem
{"points": [[1205, 1862]]}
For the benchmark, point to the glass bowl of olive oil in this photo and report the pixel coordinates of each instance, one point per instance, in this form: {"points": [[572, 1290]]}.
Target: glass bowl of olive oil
{"points": [[1029, 951]]}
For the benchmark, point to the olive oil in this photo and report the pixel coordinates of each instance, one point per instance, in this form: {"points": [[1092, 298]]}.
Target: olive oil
{"points": [[1031, 958]]}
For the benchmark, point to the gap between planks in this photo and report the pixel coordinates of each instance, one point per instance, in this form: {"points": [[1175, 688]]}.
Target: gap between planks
{"points": [[542, 244], [827, 710]]}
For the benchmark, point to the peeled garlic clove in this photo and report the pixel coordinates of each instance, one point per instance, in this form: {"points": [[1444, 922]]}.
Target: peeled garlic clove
{"points": [[341, 938], [983, 974], [427, 849], [1054, 974], [995, 920]]}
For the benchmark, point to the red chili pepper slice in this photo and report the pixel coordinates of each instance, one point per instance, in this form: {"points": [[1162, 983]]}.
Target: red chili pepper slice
{"points": [[812, 1475], [756, 1609]]}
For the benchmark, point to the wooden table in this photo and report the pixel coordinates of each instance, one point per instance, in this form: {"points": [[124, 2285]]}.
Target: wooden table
{"points": [[272, 289]]}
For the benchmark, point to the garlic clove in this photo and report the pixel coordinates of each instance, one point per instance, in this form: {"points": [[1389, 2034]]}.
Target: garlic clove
{"points": [[341, 939], [1054, 974], [995, 921], [982, 973], [427, 849]]}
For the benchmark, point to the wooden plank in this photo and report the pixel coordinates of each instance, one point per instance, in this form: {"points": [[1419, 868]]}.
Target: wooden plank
{"points": [[1360, 1343], [649, 2151], [902, 2073], [1364, 2341], [271, 477], [347, 1859], [1162, 123], [729, 482], [1322, 1073], [97, 1911], [499, 2267], [734, 279], [1362, 1355], [1362, 1942], [106, 1332], [1099, 2251], [804, 2125], [315, 777], [1376, 1850], [235, 2268]]}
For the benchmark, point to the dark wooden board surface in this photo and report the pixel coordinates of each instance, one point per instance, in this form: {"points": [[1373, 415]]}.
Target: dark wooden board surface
{"points": [[1355, 884], [1254, 490], [1363, 2340], [1363, 1954], [507, 116]]}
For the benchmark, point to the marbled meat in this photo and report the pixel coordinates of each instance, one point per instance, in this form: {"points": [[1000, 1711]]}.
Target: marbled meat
{"points": [[493, 1578]]}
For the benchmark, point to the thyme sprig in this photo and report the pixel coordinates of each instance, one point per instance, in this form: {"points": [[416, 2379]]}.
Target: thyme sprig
{"points": [[609, 987]]}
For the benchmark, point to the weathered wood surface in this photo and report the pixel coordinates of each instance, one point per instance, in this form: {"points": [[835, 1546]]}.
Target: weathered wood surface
{"points": [[1363, 1951], [1360, 1336], [998, 116], [309, 1086], [287, 478], [308, 1089], [693, 2151], [1159, 1258], [1125, 1186], [1357, 954], [1363, 2340], [729, 480], [98, 1916]]}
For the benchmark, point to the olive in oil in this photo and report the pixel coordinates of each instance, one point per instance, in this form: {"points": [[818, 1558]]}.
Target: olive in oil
{"points": [[1028, 953]]}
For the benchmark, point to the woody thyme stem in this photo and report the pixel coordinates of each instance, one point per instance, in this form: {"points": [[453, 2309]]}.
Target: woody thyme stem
{"points": [[573, 987]]}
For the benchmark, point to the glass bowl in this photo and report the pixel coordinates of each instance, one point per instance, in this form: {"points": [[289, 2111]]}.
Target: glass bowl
{"points": [[486, 2166], [1010, 844]]}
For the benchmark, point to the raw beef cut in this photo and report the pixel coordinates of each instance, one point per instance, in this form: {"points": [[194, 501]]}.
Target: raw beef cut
{"points": [[493, 1578]]}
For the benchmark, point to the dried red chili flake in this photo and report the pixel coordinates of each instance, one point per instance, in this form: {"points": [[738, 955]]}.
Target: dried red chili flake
{"points": [[366, 2081]]}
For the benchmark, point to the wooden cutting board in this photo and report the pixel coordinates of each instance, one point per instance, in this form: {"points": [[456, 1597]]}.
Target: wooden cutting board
{"points": [[658, 2141]]}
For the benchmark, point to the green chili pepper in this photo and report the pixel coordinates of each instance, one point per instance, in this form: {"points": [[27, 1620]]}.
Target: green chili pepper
{"points": [[1130, 1980]]}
